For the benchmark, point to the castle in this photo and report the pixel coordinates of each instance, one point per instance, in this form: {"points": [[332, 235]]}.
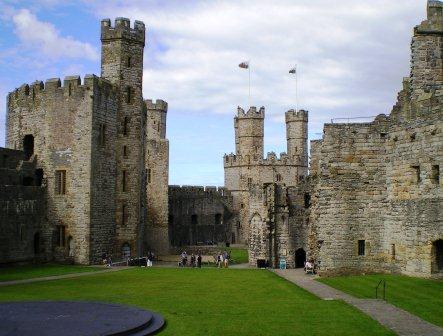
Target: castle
{"points": [[100, 154], [86, 173]]}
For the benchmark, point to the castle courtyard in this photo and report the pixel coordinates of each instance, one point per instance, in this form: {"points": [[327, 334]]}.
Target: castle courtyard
{"points": [[221, 168]]}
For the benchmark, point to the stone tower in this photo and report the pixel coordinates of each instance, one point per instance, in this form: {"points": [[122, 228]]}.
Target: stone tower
{"points": [[156, 163], [248, 166], [297, 137], [249, 132], [122, 65], [427, 52]]}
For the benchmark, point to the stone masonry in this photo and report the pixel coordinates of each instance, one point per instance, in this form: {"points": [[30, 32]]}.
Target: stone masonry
{"points": [[248, 167], [200, 215], [95, 142]]}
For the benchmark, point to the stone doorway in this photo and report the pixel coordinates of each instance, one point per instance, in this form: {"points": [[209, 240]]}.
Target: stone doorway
{"points": [[300, 258], [437, 251]]}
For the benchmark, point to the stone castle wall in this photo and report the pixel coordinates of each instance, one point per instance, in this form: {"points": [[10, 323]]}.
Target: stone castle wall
{"points": [[380, 182], [199, 215], [22, 207], [61, 120]]}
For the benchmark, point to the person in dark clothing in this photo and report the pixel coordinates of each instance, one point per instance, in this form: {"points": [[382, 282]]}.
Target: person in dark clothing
{"points": [[199, 260], [192, 260]]}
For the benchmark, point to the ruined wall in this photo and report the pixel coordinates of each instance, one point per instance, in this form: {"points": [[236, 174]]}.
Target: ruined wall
{"points": [[157, 166], [272, 234], [21, 208], [380, 182], [199, 215]]}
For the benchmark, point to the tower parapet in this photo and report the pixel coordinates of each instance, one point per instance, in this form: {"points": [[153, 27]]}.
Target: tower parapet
{"points": [[156, 119], [427, 55], [249, 132], [122, 30]]}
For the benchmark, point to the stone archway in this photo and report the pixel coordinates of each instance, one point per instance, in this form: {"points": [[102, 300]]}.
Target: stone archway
{"points": [[437, 256], [126, 251], [300, 258]]}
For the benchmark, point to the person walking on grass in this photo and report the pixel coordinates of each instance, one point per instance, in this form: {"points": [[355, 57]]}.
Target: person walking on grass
{"points": [[192, 261], [226, 258]]}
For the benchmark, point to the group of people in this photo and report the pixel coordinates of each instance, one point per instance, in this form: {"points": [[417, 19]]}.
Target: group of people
{"points": [[194, 260], [222, 259]]}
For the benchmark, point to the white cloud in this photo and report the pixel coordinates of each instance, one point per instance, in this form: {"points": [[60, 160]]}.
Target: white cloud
{"points": [[351, 54], [44, 38]]}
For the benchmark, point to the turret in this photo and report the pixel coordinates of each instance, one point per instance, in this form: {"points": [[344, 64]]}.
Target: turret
{"points": [[156, 119], [297, 135], [249, 132], [122, 53], [427, 56]]}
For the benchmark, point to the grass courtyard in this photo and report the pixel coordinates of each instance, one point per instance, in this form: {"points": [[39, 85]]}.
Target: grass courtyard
{"points": [[210, 301], [421, 297], [38, 271]]}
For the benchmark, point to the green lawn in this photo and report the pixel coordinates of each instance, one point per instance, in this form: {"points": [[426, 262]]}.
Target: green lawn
{"points": [[37, 271], [210, 301], [238, 255], [421, 297]]}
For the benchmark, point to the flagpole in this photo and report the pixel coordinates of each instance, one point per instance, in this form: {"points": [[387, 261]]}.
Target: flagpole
{"points": [[249, 86], [296, 88]]}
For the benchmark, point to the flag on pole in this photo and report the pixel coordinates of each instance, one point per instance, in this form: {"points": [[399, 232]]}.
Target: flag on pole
{"points": [[293, 71], [244, 65]]}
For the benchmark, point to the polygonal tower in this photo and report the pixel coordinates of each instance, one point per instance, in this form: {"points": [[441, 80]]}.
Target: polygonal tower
{"points": [[249, 132], [297, 137], [157, 167], [122, 64]]}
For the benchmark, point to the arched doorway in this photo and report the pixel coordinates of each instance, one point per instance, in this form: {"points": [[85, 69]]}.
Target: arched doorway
{"points": [[28, 146], [300, 258], [126, 251], [70, 246], [437, 248], [36, 243]]}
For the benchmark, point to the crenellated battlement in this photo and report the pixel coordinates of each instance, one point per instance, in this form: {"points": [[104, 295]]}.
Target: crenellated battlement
{"points": [[252, 112], [122, 30], [293, 115], [233, 160], [72, 86], [156, 105], [187, 190], [434, 22]]}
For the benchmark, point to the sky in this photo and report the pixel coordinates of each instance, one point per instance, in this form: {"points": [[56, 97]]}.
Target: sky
{"points": [[350, 57]]}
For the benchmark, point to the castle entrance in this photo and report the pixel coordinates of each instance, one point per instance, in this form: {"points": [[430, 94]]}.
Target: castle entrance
{"points": [[437, 248], [300, 258]]}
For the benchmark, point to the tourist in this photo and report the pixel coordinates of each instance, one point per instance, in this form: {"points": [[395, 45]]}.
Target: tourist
{"points": [[104, 258], [150, 258], [192, 264], [226, 258], [220, 260], [109, 261], [199, 260]]}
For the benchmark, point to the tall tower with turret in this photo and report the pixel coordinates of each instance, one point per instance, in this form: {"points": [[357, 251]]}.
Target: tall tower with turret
{"points": [[122, 65], [249, 132], [156, 164], [297, 138]]}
